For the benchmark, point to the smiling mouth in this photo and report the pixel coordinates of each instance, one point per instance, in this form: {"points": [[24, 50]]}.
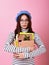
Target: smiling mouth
{"points": [[24, 25]]}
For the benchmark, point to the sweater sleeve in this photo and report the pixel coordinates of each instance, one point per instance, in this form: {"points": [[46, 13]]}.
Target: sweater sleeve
{"points": [[41, 48], [9, 47]]}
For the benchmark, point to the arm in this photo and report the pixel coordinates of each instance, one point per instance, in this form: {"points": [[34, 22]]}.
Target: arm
{"points": [[9, 47], [41, 48]]}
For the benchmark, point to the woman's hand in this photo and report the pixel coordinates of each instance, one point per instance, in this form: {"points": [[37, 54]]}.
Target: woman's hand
{"points": [[16, 55], [32, 48], [19, 55]]}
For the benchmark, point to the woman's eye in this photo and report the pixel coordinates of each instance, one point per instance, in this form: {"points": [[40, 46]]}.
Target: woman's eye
{"points": [[21, 20], [24, 20]]}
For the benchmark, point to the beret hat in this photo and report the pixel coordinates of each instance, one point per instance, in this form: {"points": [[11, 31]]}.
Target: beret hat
{"points": [[23, 12]]}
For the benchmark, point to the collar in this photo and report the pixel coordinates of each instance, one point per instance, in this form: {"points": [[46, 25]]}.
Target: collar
{"points": [[24, 30]]}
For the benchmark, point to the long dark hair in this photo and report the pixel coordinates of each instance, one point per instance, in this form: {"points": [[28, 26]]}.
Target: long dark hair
{"points": [[18, 27]]}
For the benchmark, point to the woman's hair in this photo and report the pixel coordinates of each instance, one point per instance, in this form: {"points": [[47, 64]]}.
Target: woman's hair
{"points": [[18, 27]]}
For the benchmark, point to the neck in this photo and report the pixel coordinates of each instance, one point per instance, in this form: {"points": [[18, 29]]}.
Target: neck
{"points": [[24, 30]]}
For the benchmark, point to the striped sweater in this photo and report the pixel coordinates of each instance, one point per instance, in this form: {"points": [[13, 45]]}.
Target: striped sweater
{"points": [[28, 56]]}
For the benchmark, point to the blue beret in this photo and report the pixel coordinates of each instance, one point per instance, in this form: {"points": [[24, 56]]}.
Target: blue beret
{"points": [[23, 12]]}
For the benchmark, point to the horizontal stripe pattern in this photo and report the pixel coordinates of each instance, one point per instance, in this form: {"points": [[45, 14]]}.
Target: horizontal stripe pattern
{"points": [[28, 56]]}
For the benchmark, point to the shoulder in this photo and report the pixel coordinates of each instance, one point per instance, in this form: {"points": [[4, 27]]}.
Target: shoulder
{"points": [[36, 35], [11, 34]]}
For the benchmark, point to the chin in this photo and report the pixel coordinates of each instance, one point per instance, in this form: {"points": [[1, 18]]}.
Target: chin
{"points": [[24, 27]]}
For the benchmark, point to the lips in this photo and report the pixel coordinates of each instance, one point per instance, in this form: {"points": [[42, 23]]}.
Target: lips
{"points": [[24, 25]]}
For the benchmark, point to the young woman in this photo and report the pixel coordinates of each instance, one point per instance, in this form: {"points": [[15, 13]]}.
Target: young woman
{"points": [[26, 55]]}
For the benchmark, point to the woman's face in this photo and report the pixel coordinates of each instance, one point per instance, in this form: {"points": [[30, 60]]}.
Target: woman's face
{"points": [[24, 21]]}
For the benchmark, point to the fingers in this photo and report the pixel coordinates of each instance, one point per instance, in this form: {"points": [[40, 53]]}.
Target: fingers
{"points": [[19, 55], [32, 48], [16, 55]]}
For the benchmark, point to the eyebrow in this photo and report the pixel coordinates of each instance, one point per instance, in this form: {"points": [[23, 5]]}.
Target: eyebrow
{"points": [[23, 19]]}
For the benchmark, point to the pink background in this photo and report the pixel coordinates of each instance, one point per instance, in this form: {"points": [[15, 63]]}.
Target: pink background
{"points": [[40, 21]]}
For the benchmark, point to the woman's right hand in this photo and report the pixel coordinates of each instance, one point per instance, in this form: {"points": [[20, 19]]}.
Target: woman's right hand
{"points": [[16, 55]]}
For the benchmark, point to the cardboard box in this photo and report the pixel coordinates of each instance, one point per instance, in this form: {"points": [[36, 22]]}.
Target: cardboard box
{"points": [[25, 40], [26, 44]]}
